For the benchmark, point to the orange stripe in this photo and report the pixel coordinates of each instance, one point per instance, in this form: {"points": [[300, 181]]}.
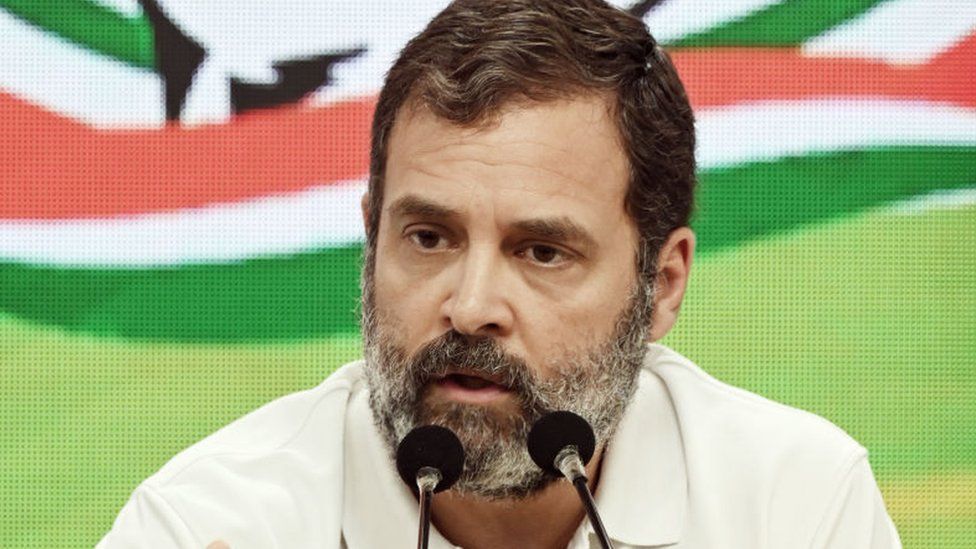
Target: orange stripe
{"points": [[723, 76], [57, 169]]}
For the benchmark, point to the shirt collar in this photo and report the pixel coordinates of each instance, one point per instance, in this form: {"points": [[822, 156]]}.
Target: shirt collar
{"points": [[641, 496]]}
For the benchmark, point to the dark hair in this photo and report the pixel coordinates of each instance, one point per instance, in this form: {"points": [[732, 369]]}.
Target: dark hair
{"points": [[476, 56]]}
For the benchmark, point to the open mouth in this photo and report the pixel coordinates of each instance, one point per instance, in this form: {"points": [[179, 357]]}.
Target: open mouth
{"points": [[466, 387], [469, 382]]}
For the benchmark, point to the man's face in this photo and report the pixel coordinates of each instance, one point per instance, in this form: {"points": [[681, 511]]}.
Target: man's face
{"points": [[503, 283]]}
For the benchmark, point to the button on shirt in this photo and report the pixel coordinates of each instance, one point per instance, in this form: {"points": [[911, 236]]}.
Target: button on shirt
{"points": [[695, 463]]}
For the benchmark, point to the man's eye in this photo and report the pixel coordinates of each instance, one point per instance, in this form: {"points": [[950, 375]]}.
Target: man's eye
{"points": [[546, 255], [428, 240]]}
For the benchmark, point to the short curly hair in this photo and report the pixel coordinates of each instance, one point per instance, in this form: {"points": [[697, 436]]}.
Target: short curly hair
{"points": [[477, 56]]}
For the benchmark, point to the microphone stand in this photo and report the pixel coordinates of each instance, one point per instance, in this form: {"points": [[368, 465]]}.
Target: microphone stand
{"points": [[569, 464], [429, 459], [427, 479]]}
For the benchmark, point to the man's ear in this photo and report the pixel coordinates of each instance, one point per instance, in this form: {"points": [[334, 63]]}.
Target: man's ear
{"points": [[364, 204], [673, 270]]}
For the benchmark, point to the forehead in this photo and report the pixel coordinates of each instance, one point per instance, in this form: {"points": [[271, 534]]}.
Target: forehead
{"points": [[561, 157]]}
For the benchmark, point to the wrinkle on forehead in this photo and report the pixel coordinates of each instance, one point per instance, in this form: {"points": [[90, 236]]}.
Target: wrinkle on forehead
{"points": [[419, 166], [424, 143], [600, 109]]}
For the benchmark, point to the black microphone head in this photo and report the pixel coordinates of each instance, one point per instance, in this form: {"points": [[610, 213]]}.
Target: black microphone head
{"points": [[430, 446], [555, 431]]}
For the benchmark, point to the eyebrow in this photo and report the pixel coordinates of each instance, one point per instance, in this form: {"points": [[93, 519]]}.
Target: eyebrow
{"points": [[413, 205], [561, 229]]}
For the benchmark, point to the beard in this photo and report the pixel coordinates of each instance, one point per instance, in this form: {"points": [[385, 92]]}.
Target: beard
{"points": [[595, 382]]}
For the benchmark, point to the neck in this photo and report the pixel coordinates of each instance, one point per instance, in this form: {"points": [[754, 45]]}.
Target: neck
{"points": [[546, 520]]}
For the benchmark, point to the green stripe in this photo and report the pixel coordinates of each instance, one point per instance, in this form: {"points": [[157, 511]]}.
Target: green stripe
{"points": [[785, 24], [91, 25], [315, 294], [738, 204], [276, 298]]}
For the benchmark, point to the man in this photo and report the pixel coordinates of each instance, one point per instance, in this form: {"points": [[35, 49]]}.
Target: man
{"points": [[531, 183]]}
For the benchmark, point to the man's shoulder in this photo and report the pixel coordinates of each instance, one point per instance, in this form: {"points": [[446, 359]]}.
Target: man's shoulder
{"points": [[745, 426], [271, 478], [304, 423], [746, 456]]}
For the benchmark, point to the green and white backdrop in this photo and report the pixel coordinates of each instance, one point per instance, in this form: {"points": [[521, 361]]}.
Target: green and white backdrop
{"points": [[180, 237]]}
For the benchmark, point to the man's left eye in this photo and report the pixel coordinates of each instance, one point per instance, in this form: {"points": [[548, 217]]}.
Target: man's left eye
{"points": [[427, 239], [545, 255]]}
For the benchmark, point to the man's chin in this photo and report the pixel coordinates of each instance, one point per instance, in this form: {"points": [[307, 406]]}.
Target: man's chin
{"points": [[475, 424], [530, 486]]}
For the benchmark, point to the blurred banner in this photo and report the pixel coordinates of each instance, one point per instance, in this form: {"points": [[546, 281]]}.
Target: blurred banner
{"points": [[180, 228]]}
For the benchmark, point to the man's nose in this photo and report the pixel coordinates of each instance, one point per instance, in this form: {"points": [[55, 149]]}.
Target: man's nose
{"points": [[479, 301]]}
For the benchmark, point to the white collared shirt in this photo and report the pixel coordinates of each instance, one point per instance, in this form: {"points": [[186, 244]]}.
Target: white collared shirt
{"points": [[695, 463]]}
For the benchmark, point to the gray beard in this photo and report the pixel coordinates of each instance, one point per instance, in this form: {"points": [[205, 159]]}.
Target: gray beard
{"points": [[595, 382]]}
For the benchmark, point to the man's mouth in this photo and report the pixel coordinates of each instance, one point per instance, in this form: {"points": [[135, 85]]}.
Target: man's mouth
{"points": [[470, 387]]}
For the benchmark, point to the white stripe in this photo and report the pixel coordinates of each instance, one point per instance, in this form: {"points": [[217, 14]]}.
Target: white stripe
{"points": [[330, 215], [128, 8], [246, 39], [676, 19], [937, 200], [69, 79], [899, 32], [770, 131], [325, 216]]}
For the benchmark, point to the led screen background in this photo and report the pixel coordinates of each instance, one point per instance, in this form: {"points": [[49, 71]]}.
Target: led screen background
{"points": [[180, 230]]}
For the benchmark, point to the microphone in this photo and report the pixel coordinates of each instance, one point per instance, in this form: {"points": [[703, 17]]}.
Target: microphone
{"points": [[562, 443], [429, 459]]}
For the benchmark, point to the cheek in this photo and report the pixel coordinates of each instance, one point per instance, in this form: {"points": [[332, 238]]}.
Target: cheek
{"points": [[580, 319], [406, 299], [555, 329]]}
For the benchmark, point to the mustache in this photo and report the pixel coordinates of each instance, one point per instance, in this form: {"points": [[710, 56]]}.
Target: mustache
{"points": [[483, 355]]}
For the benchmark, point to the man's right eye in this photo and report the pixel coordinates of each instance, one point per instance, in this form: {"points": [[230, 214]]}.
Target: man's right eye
{"points": [[426, 239]]}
